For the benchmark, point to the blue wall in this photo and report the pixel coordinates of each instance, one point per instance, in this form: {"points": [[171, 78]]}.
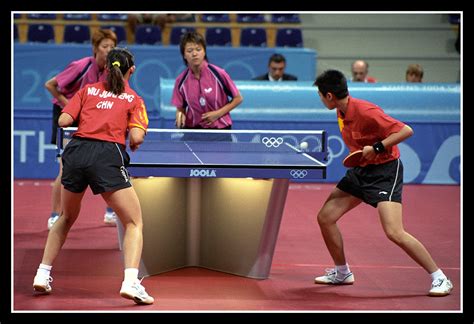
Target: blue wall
{"points": [[34, 64], [432, 155]]}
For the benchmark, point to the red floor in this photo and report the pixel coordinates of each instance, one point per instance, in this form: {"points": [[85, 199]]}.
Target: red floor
{"points": [[88, 272]]}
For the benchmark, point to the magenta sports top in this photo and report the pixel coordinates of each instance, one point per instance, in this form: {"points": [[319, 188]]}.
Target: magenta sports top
{"points": [[211, 92], [78, 74]]}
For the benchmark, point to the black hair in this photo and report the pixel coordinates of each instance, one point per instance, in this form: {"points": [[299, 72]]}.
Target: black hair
{"points": [[192, 37], [119, 61], [332, 81], [277, 58]]}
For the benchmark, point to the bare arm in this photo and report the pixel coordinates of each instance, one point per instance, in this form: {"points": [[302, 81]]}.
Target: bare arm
{"points": [[65, 120], [212, 116], [52, 86], [180, 117], [136, 138], [395, 138], [391, 140]]}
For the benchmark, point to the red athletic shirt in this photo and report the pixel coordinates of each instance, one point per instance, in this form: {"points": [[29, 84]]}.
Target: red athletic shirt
{"points": [[364, 124], [105, 116]]}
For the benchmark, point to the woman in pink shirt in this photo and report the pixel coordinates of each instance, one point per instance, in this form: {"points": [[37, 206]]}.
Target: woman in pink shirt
{"points": [[204, 94], [64, 86]]}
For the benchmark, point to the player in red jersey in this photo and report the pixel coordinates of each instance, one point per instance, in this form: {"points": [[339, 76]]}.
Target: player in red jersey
{"points": [[107, 113], [377, 181]]}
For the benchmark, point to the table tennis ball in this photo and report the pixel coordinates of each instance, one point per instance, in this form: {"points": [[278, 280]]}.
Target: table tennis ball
{"points": [[303, 145]]}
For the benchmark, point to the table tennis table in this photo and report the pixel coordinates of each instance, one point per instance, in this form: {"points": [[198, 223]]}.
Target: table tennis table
{"points": [[218, 203]]}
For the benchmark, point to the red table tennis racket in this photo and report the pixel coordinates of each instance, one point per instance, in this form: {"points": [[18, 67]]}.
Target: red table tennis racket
{"points": [[353, 159]]}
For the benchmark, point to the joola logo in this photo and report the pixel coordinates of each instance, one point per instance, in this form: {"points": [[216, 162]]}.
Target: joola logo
{"points": [[202, 173]]}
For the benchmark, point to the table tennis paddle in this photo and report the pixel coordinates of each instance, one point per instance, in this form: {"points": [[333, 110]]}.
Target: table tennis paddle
{"points": [[353, 159]]}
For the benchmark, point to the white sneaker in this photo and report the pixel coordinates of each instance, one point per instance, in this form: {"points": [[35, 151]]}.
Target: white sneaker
{"points": [[330, 278], [441, 287], [41, 284], [136, 292], [110, 218], [52, 220]]}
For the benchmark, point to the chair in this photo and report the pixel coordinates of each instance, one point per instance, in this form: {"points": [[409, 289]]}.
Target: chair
{"points": [[43, 33], [250, 18], [119, 31], [77, 33], [218, 36], [289, 37], [116, 17], [222, 18], [177, 31], [148, 34], [253, 37], [286, 19], [41, 16], [77, 17]]}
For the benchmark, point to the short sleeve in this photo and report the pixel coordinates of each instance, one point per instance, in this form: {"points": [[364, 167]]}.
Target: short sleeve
{"points": [[230, 84], [177, 98], [70, 73], [74, 105], [387, 124], [139, 116]]}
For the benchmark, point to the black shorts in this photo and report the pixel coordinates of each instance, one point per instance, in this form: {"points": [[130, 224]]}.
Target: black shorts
{"points": [[57, 110], [101, 165], [375, 182]]}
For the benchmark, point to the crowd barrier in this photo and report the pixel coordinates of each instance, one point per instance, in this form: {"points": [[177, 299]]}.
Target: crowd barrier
{"points": [[431, 156]]}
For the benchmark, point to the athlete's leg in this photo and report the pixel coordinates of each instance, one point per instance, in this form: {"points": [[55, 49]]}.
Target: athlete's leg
{"points": [[337, 204]]}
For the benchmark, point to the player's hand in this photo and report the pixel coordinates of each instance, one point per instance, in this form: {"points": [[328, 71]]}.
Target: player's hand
{"points": [[63, 100], [210, 117], [136, 138], [134, 147], [180, 119], [368, 152]]}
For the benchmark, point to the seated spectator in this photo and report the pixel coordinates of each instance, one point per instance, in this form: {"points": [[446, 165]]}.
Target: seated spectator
{"points": [[414, 73], [157, 19], [276, 70], [360, 70]]}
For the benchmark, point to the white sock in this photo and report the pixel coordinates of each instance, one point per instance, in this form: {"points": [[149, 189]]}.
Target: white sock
{"points": [[131, 275], [343, 269], [437, 274], [44, 269]]}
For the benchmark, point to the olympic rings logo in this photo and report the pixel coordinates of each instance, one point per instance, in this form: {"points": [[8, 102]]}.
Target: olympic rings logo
{"points": [[336, 148], [298, 174], [272, 141]]}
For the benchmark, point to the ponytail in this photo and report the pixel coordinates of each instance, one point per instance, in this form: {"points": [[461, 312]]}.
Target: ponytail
{"points": [[119, 61], [115, 81]]}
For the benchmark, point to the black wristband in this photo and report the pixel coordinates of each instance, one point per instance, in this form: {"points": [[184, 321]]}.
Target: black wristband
{"points": [[378, 147]]}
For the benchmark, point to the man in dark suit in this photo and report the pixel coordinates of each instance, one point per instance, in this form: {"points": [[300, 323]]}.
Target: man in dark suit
{"points": [[276, 70]]}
